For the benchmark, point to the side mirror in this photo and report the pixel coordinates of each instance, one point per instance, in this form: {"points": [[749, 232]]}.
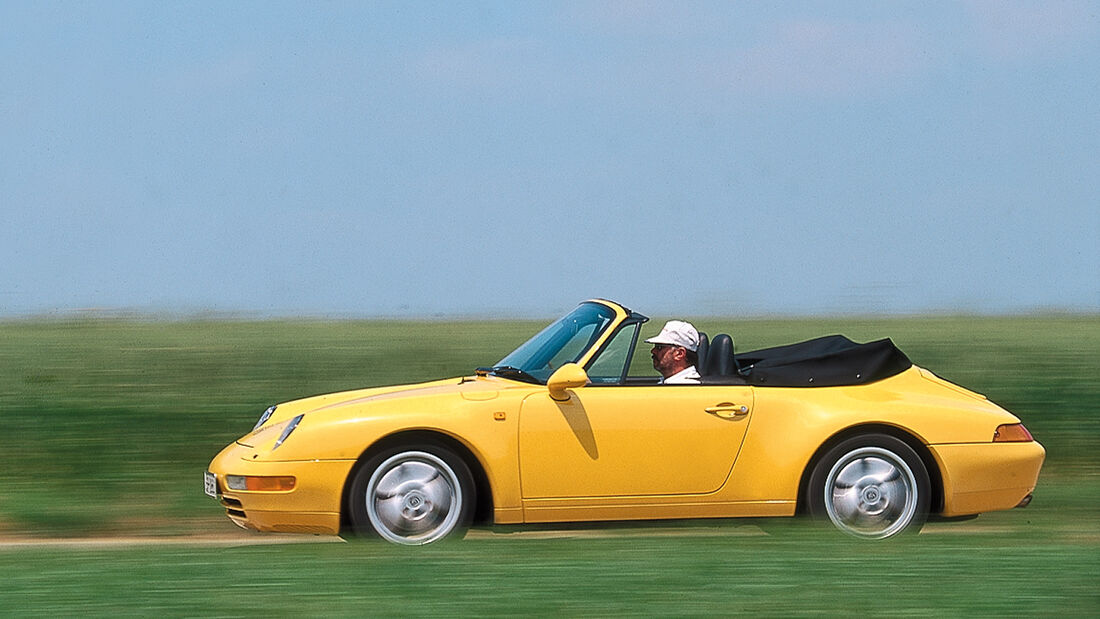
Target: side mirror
{"points": [[568, 376]]}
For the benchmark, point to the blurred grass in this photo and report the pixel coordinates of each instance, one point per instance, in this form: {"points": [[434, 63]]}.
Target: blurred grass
{"points": [[108, 422], [721, 570]]}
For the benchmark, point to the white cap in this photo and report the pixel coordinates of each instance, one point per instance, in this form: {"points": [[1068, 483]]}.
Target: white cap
{"points": [[677, 333]]}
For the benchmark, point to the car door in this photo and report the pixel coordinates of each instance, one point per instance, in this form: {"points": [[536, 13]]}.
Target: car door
{"points": [[631, 440]]}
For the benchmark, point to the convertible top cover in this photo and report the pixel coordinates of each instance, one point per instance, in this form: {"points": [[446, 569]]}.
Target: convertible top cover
{"points": [[823, 362]]}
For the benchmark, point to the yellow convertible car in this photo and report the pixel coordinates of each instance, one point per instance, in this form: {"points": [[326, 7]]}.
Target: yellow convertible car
{"points": [[560, 430]]}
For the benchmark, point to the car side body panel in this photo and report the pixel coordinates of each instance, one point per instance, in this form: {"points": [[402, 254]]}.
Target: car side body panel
{"points": [[990, 477], [630, 441]]}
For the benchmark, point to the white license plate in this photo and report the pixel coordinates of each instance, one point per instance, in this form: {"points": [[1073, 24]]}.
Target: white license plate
{"points": [[210, 483]]}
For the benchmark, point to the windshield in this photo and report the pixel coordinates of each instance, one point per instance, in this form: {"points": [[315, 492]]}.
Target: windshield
{"points": [[565, 341]]}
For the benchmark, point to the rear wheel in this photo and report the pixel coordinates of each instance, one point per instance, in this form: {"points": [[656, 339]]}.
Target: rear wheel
{"points": [[412, 495], [872, 486]]}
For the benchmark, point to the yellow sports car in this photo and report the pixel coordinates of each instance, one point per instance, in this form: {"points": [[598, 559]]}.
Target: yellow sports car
{"points": [[560, 430]]}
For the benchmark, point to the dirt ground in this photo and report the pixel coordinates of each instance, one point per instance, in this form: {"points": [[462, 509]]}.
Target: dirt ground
{"points": [[229, 537]]}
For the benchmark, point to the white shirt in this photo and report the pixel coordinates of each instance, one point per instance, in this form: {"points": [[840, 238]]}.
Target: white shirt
{"points": [[686, 376]]}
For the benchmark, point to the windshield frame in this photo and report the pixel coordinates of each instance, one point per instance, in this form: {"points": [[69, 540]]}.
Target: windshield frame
{"points": [[548, 343]]}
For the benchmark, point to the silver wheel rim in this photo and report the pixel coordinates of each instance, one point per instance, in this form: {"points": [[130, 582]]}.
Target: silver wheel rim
{"points": [[871, 492], [413, 498]]}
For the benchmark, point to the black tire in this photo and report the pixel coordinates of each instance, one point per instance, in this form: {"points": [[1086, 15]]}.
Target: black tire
{"points": [[413, 495], [871, 486]]}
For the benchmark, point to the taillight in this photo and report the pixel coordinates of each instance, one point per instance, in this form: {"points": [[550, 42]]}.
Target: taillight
{"points": [[1012, 433]]}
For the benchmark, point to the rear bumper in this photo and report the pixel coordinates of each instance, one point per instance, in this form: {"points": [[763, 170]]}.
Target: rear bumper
{"points": [[313, 506], [987, 477]]}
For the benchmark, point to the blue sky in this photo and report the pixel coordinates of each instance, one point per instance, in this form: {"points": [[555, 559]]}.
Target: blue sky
{"points": [[483, 158]]}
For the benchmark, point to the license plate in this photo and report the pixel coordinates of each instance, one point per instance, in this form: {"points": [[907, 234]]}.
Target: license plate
{"points": [[210, 483]]}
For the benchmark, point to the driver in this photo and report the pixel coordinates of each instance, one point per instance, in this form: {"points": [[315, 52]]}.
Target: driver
{"points": [[674, 353]]}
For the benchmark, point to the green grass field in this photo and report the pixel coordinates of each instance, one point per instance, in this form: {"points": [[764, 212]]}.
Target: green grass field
{"points": [[109, 423], [718, 571]]}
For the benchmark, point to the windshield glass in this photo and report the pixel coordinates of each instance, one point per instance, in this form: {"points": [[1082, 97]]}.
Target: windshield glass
{"points": [[563, 342]]}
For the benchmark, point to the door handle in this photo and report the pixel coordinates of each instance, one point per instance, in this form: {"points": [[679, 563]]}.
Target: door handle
{"points": [[728, 410]]}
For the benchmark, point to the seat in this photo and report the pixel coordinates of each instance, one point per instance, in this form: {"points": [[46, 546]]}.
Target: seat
{"points": [[720, 357], [704, 347]]}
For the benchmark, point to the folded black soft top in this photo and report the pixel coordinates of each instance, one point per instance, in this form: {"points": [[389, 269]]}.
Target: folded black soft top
{"points": [[823, 362]]}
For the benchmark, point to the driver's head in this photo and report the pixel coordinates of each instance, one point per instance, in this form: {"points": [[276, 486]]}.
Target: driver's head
{"points": [[675, 348]]}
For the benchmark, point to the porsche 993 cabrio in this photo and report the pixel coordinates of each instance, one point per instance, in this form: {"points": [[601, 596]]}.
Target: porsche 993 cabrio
{"points": [[561, 430]]}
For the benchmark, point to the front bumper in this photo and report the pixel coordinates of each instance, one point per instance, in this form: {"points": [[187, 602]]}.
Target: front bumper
{"points": [[313, 506], [987, 477]]}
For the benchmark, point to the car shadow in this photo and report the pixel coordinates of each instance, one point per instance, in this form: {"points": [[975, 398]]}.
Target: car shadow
{"points": [[577, 418]]}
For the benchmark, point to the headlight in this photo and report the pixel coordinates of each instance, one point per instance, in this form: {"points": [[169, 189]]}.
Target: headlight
{"points": [[263, 418], [293, 423]]}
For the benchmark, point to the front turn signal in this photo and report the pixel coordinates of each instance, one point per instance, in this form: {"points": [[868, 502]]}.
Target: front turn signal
{"points": [[1012, 433], [255, 483]]}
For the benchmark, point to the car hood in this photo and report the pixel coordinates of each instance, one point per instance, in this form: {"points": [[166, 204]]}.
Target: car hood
{"points": [[479, 388]]}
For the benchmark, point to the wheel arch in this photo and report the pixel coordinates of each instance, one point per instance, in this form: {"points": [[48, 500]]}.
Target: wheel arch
{"points": [[483, 510], [935, 477]]}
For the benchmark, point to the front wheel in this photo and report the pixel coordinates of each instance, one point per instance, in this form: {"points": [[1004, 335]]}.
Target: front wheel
{"points": [[872, 486], [412, 495]]}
